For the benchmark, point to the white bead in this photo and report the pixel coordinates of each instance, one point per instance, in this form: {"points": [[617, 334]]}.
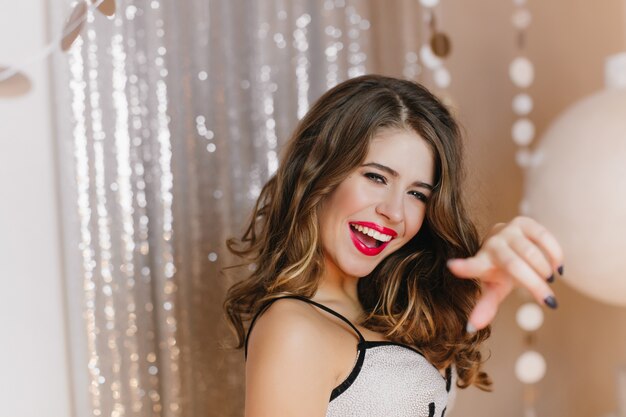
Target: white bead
{"points": [[430, 60], [521, 18], [522, 72], [523, 132], [442, 77], [530, 367], [522, 104], [529, 317], [523, 157], [429, 3], [538, 157]]}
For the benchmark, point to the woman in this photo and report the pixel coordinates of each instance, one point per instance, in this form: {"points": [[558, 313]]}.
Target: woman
{"points": [[370, 293]]}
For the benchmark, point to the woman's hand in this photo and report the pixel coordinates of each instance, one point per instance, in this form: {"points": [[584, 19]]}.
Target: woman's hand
{"points": [[519, 253]]}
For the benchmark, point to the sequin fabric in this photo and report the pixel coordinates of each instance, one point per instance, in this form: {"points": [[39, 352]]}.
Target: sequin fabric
{"points": [[394, 381]]}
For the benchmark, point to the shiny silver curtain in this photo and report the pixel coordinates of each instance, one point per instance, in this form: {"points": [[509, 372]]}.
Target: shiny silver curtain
{"points": [[170, 117]]}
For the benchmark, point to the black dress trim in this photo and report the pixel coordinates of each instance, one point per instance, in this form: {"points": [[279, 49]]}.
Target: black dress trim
{"points": [[339, 389], [362, 346], [323, 307]]}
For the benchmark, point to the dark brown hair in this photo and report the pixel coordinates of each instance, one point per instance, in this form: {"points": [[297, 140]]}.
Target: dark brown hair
{"points": [[410, 297]]}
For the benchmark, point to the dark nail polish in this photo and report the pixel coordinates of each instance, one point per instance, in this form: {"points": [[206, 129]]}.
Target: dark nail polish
{"points": [[560, 269], [550, 301], [551, 279]]}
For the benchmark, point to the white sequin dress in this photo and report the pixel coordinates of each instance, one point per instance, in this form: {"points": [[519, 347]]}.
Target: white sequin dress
{"points": [[388, 380]]}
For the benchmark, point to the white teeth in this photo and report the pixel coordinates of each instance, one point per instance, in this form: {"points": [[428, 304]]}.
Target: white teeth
{"points": [[373, 233]]}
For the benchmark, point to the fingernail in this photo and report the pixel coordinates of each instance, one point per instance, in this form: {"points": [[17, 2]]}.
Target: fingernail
{"points": [[550, 301], [470, 328], [551, 279], [560, 269]]}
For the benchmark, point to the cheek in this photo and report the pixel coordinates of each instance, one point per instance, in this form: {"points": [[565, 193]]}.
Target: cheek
{"points": [[415, 219], [349, 197], [341, 203]]}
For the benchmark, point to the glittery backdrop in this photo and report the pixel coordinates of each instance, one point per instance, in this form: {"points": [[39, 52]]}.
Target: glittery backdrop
{"points": [[169, 118]]}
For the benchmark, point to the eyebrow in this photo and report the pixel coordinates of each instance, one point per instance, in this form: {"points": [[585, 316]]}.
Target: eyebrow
{"points": [[395, 174]]}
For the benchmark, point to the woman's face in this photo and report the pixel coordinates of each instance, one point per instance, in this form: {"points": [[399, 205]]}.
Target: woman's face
{"points": [[380, 206]]}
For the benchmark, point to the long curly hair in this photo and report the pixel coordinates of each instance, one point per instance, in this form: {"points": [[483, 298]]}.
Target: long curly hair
{"points": [[411, 297]]}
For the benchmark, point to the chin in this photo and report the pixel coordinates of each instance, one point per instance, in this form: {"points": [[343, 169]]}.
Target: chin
{"points": [[358, 269]]}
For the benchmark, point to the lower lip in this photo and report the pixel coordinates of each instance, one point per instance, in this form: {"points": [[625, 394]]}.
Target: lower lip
{"points": [[365, 250]]}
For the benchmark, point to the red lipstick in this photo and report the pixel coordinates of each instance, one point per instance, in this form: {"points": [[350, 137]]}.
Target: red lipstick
{"points": [[378, 228], [366, 250]]}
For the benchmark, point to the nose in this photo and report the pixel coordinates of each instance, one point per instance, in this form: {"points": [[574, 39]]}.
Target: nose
{"points": [[392, 208]]}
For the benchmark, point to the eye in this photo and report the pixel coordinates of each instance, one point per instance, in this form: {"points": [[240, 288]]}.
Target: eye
{"points": [[419, 196], [376, 177]]}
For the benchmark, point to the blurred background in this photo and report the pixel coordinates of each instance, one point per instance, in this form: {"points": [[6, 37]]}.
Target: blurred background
{"points": [[126, 161]]}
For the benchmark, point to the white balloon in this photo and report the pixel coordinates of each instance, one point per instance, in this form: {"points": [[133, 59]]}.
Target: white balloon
{"points": [[522, 72], [530, 367], [523, 132], [529, 317], [522, 104], [577, 189]]}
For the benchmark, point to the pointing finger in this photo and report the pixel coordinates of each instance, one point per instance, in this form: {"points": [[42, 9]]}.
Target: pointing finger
{"points": [[472, 267], [484, 311]]}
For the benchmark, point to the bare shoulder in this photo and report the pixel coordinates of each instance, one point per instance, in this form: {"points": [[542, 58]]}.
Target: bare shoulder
{"points": [[288, 371], [287, 322]]}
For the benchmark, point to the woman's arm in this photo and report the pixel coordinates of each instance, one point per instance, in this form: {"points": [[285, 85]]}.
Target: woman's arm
{"points": [[289, 370]]}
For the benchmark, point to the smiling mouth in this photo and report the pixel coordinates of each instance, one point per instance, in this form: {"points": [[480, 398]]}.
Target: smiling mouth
{"points": [[370, 238], [363, 237]]}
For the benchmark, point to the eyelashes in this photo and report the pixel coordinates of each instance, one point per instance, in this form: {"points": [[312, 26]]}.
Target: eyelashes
{"points": [[419, 196], [380, 179], [376, 177]]}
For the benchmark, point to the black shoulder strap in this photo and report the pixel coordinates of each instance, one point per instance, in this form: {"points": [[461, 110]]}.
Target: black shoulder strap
{"points": [[298, 297]]}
